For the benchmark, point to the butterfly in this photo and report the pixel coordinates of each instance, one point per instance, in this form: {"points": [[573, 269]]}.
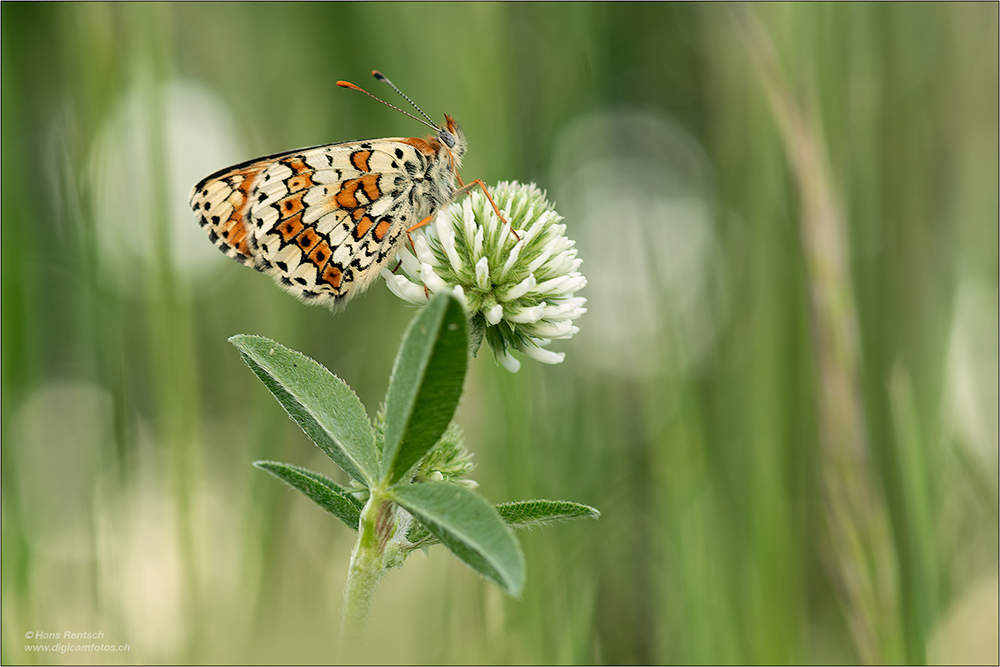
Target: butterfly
{"points": [[323, 221]]}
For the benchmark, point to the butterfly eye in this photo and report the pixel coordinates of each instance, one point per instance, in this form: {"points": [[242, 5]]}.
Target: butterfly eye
{"points": [[447, 137]]}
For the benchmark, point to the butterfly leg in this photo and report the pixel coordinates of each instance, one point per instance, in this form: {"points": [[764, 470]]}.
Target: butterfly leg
{"points": [[469, 186], [422, 223]]}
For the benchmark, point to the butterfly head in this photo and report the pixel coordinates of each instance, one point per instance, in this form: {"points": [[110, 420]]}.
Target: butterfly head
{"points": [[452, 136]]}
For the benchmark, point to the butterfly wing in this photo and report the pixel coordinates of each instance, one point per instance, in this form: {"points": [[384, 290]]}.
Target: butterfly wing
{"points": [[221, 201], [321, 221]]}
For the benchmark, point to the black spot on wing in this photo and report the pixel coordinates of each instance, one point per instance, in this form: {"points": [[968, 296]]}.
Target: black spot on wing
{"points": [[399, 182]]}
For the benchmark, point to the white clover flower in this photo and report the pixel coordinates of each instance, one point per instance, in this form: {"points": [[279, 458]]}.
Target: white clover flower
{"points": [[519, 291]]}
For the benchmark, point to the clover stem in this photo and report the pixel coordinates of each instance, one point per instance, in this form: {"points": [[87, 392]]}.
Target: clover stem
{"points": [[366, 569]]}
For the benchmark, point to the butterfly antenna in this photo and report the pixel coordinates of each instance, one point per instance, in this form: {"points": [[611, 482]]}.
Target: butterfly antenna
{"points": [[348, 84], [382, 77]]}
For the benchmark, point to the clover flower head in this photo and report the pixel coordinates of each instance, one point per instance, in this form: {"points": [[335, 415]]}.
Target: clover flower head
{"points": [[448, 461], [519, 287]]}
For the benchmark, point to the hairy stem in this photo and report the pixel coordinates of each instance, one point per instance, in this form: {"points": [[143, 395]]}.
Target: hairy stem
{"points": [[366, 569]]}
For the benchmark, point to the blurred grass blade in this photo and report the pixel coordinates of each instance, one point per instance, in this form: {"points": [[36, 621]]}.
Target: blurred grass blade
{"points": [[318, 401], [322, 490], [470, 527], [426, 385], [855, 509], [527, 513]]}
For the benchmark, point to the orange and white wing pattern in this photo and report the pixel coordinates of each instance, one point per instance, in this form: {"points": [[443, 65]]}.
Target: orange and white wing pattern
{"points": [[323, 221]]}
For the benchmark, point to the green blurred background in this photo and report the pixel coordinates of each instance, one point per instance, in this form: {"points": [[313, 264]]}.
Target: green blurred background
{"points": [[783, 398]]}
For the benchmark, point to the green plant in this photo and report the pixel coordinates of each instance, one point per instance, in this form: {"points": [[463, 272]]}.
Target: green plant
{"points": [[409, 468]]}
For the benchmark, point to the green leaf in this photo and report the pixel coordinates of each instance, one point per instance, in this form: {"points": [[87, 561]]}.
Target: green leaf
{"points": [[426, 385], [322, 490], [470, 527], [318, 401], [522, 514], [528, 513]]}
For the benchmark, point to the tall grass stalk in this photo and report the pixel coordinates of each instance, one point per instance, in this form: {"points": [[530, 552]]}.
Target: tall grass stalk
{"points": [[861, 544]]}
